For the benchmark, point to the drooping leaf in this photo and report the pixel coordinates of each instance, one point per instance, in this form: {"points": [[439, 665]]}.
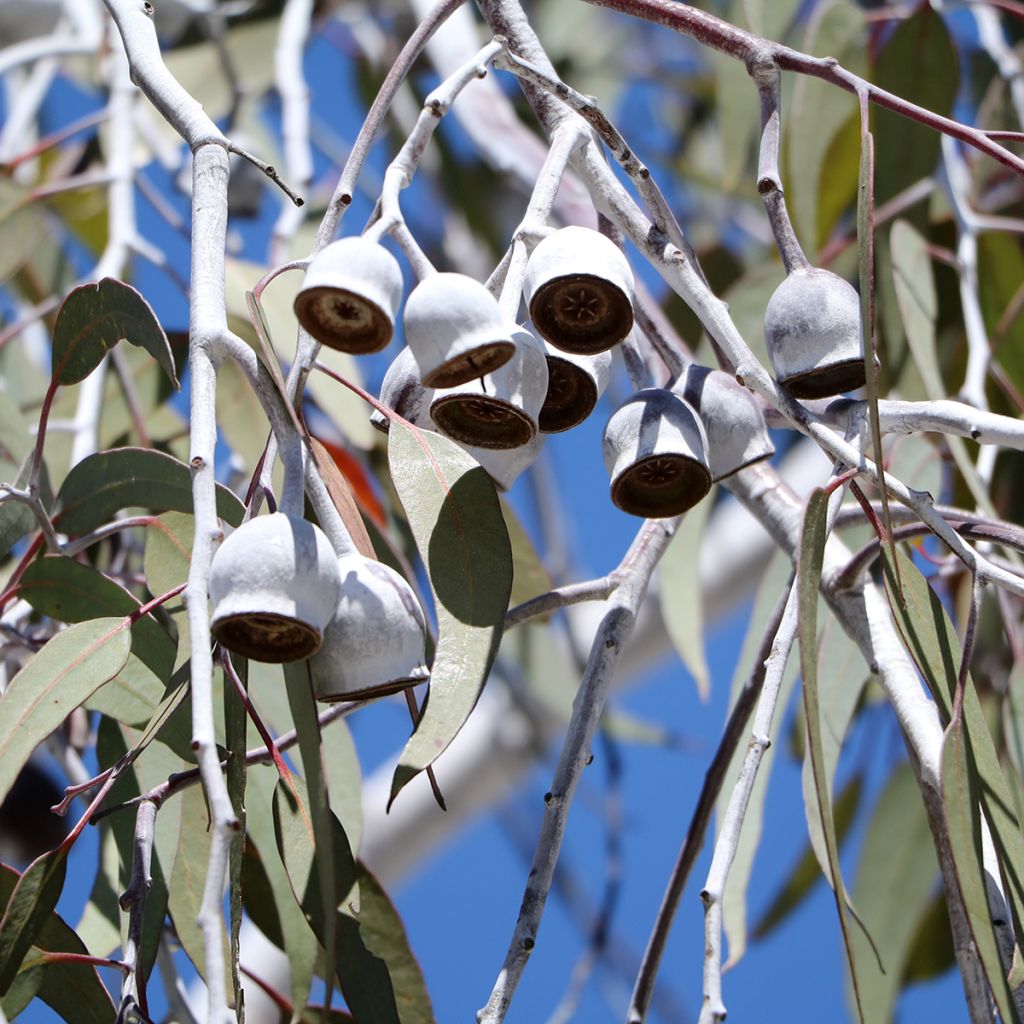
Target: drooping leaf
{"points": [[377, 973], [812, 550], [93, 319], [918, 304], [456, 519], [681, 598], [28, 909], [817, 115], [297, 938], [17, 520], [961, 800], [931, 948], [1000, 272], [896, 878], [930, 638], [57, 680], [185, 891], [919, 63], [841, 676], [312, 802], [73, 990], [108, 482]]}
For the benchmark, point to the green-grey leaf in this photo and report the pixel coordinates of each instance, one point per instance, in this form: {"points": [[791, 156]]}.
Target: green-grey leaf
{"points": [[681, 599], [961, 800], [299, 942], [73, 990], [108, 482], [529, 577], [185, 891], [29, 907], [74, 664], [918, 63], [932, 642], [898, 857], [841, 677], [457, 523], [93, 319], [812, 550]]}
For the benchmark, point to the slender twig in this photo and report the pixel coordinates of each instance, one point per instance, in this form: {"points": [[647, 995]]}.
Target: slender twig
{"points": [[573, 593], [693, 841], [612, 634], [713, 1009]]}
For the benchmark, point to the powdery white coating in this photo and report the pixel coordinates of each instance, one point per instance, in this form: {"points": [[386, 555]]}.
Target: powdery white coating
{"points": [[575, 383], [656, 452], [456, 330], [274, 567], [732, 420], [812, 325], [350, 296], [579, 290], [402, 391], [506, 466], [500, 410], [374, 642]]}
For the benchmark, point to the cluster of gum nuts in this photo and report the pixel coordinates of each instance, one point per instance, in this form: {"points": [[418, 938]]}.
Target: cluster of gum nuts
{"points": [[497, 388]]}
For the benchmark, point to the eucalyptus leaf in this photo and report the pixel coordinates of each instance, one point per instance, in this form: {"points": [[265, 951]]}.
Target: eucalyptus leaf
{"points": [[812, 550], [74, 664], [93, 319], [29, 907], [681, 598], [460, 532], [108, 482], [74, 990]]}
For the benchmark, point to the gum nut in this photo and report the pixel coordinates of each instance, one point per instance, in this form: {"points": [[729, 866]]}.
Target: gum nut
{"points": [[732, 420], [655, 450], [813, 334], [579, 290], [350, 296], [374, 644], [500, 410], [273, 584], [505, 467], [456, 330], [575, 383], [402, 391]]}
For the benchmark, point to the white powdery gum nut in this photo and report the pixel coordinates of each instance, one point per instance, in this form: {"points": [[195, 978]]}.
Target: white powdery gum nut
{"points": [[732, 420], [579, 290], [374, 644], [456, 330], [575, 383], [813, 333], [403, 392], [500, 410], [274, 584], [656, 452], [350, 296]]}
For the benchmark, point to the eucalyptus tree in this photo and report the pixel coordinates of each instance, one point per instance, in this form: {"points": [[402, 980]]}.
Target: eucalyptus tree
{"points": [[775, 226]]}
